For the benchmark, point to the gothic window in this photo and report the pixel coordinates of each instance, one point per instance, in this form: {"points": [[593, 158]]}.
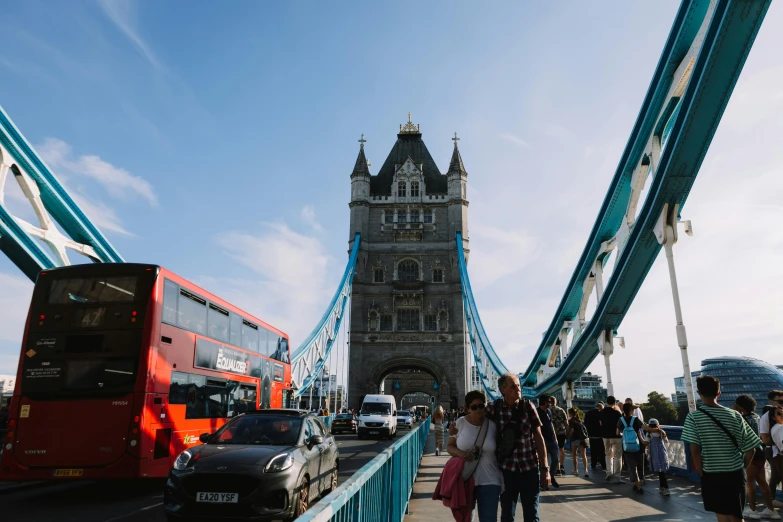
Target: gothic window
{"points": [[386, 322], [414, 189], [402, 217], [437, 275], [389, 217], [373, 321], [415, 216], [428, 216], [408, 270], [407, 319], [443, 320], [431, 323], [377, 275], [401, 189]]}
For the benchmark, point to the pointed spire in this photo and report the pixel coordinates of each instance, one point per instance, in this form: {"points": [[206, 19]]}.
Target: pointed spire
{"points": [[361, 168], [456, 166]]}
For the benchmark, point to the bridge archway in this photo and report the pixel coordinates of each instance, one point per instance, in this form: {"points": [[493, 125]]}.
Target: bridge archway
{"points": [[428, 372]]}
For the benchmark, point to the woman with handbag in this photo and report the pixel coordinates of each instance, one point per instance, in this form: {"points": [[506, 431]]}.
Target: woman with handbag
{"points": [[577, 434], [475, 443]]}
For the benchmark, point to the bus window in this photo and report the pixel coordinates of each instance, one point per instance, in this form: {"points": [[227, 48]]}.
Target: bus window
{"points": [[236, 329], [170, 291], [249, 336], [192, 312], [116, 289], [217, 323]]}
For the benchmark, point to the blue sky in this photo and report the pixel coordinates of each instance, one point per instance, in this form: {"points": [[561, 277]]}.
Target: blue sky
{"points": [[218, 142]]}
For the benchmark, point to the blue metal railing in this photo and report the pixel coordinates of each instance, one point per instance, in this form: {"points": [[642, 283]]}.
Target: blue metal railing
{"points": [[380, 491]]}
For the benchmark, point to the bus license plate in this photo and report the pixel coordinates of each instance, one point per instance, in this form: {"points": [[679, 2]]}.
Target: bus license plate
{"points": [[374, 432], [218, 498], [68, 472]]}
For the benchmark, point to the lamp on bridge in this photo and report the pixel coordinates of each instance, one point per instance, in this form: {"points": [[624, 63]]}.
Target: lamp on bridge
{"points": [[397, 385], [435, 385]]}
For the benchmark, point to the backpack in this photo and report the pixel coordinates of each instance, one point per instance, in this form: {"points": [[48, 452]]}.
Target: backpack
{"points": [[630, 437], [581, 432], [506, 439]]}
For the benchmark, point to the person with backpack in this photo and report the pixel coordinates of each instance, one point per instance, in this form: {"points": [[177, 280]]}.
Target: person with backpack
{"points": [[577, 434], [550, 439], [722, 446], [560, 423], [521, 451], [613, 444], [630, 430]]}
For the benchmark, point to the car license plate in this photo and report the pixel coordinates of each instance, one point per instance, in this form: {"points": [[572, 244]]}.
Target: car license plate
{"points": [[374, 433], [68, 472], [218, 498]]}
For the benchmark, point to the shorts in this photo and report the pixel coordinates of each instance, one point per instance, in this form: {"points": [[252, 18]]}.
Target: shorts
{"points": [[575, 443], [561, 439], [724, 493]]}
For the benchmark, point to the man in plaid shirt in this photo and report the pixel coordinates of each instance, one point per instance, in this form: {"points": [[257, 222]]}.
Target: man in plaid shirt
{"points": [[525, 472]]}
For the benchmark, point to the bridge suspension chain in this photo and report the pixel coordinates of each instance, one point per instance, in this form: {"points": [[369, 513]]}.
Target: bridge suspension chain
{"points": [[309, 359]]}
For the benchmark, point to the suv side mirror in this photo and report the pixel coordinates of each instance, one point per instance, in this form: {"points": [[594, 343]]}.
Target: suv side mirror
{"points": [[316, 440], [204, 437]]}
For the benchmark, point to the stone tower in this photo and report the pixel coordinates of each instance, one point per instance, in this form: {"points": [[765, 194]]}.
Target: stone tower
{"points": [[406, 308]]}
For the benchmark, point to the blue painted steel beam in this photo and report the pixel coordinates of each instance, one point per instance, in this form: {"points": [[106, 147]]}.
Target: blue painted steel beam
{"points": [[15, 243], [305, 366], [726, 45]]}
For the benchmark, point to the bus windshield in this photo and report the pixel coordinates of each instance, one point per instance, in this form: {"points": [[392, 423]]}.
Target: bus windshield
{"points": [[101, 289]]}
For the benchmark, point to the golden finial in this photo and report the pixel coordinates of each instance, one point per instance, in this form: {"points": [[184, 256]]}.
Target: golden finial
{"points": [[409, 127]]}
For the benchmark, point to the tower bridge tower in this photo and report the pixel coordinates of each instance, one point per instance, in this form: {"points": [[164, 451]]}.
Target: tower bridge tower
{"points": [[406, 305]]}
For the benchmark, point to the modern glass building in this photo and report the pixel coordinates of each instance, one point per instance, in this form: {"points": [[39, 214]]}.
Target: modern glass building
{"points": [[739, 375]]}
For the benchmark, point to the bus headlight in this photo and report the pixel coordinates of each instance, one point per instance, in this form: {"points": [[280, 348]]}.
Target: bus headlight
{"points": [[182, 461], [280, 463]]}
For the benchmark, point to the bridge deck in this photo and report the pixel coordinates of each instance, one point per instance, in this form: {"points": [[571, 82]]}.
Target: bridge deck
{"points": [[578, 499]]}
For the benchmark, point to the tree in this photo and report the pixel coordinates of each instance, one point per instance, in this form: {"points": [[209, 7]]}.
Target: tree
{"points": [[657, 407]]}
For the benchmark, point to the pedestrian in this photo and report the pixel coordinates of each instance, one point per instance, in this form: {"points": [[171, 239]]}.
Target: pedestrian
{"points": [[521, 450], [745, 405], [548, 431], [659, 457], [560, 421], [637, 411], [609, 417], [577, 435], [776, 421], [477, 441], [630, 429], [437, 427], [593, 423], [771, 452], [722, 446]]}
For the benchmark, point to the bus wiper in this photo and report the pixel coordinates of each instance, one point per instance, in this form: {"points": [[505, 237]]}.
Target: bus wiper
{"points": [[77, 298]]}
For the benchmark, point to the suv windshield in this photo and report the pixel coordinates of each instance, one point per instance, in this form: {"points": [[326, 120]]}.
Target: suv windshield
{"points": [[271, 430], [403, 413], [344, 416], [376, 408]]}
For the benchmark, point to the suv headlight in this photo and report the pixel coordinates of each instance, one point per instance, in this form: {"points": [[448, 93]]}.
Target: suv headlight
{"points": [[280, 463], [183, 460]]}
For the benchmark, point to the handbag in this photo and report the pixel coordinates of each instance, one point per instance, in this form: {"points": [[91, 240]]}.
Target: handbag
{"points": [[469, 468]]}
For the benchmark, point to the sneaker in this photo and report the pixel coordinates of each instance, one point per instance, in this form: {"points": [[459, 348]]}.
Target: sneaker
{"points": [[768, 513], [665, 492], [777, 503], [587, 476], [437, 453], [638, 490], [575, 473], [617, 480], [749, 513], [554, 483]]}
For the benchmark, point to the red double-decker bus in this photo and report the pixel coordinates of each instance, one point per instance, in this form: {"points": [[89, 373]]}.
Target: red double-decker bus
{"points": [[124, 365]]}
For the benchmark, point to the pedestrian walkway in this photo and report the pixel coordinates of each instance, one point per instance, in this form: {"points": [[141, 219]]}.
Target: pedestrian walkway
{"points": [[577, 500]]}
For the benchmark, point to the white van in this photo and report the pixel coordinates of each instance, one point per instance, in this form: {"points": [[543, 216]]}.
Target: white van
{"points": [[378, 416]]}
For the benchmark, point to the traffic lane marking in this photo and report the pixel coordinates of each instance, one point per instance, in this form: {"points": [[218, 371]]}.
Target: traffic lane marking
{"points": [[146, 508]]}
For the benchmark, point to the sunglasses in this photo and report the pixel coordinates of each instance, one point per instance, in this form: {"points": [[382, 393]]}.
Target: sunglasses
{"points": [[479, 406]]}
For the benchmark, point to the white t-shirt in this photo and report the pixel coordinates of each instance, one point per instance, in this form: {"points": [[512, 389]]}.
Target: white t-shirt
{"points": [[777, 437], [638, 414], [764, 428], [487, 472]]}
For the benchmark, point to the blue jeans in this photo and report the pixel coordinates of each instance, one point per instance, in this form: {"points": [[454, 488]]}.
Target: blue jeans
{"points": [[487, 499], [553, 452], [524, 486]]}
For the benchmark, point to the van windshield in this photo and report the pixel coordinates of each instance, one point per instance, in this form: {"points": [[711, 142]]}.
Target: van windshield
{"points": [[376, 408]]}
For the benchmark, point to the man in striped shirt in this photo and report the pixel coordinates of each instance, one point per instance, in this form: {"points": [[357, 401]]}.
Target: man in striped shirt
{"points": [[722, 446]]}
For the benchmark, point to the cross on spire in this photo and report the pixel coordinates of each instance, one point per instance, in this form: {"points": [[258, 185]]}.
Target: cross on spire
{"points": [[362, 141], [455, 139]]}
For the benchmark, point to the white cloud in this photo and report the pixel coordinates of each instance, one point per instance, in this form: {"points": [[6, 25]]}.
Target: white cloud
{"points": [[14, 300], [515, 140], [103, 216], [293, 283], [118, 182], [122, 14], [502, 253], [309, 218]]}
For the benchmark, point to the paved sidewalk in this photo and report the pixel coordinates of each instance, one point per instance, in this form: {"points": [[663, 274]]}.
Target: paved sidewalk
{"points": [[577, 500]]}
